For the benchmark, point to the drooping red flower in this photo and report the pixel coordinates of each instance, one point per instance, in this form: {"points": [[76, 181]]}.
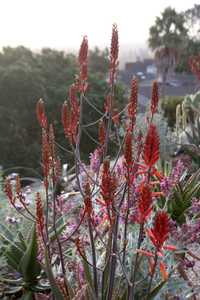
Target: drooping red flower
{"points": [[151, 146], [132, 107], [160, 231], [83, 52], [40, 112], [154, 98], [144, 203]]}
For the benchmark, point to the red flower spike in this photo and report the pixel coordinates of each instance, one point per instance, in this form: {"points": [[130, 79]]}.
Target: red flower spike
{"points": [[73, 98], [102, 133], [108, 184], [144, 203], [83, 52], [154, 98], [151, 146], [40, 223], [66, 119], [128, 149], [160, 231], [40, 112], [84, 73], [87, 199], [132, 107], [114, 51]]}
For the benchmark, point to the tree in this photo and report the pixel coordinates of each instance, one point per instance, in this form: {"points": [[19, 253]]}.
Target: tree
{"points": [[167, 38], [25, 77]]}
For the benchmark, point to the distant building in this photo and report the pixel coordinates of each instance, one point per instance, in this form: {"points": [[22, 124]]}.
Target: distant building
{"points": [[146, 72]]}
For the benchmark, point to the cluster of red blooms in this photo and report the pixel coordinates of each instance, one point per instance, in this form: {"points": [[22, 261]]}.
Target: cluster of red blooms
{"points": [[194, 63]]}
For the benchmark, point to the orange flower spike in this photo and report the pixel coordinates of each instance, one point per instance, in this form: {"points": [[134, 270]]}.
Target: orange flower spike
{"points": [[40, 112], [151, 146], [154, 98]]}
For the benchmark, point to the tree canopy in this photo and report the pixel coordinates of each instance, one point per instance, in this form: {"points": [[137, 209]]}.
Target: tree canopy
{"points": [[25, 77]]}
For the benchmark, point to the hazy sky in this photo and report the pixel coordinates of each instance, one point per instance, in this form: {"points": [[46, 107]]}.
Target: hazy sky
{"points": [[62, 23]]}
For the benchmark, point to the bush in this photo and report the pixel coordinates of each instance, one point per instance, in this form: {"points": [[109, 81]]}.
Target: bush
{"points": [[168, 106]]}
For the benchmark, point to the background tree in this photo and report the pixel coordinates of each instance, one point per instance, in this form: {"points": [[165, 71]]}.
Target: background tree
{"points": [[24, 78], [167, 37]]}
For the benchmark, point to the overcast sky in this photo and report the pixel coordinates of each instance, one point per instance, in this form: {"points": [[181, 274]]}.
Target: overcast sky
{"points": [[62, 23]]}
